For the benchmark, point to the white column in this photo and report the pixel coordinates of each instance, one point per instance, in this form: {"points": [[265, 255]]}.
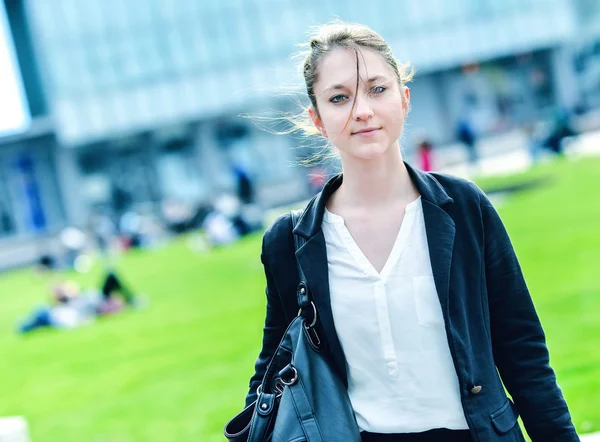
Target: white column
{"points": [[564, 77], [69, 182]]}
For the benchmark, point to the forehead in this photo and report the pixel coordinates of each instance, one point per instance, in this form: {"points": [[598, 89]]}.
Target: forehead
{"points": [[339, 66]]}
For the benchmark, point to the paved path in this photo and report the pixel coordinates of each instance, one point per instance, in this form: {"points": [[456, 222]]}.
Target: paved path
{"points": [[509, 153]]}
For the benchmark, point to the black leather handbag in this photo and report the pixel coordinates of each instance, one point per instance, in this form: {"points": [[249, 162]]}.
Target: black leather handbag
{"points": [[301, 398]]}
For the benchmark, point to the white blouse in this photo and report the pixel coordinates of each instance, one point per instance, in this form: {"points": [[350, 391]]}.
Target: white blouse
{"points": [[401, 378]]}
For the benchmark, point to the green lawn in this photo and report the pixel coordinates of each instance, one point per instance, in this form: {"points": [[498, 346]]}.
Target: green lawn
{"points": [[177, 370]]}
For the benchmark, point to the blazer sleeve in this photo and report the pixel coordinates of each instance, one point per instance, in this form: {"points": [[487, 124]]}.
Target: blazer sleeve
{"points": [[274, 328], [518, 340]]}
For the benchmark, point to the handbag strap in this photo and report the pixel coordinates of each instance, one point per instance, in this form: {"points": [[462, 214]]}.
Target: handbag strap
{"points": [[302, 292], [305, 413], [307, 307]]}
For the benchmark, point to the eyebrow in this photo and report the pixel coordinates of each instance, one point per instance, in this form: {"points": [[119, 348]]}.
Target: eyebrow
{"points": [[341, 86]]}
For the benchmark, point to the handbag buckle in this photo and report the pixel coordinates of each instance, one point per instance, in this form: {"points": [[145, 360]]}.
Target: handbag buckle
{"points": [[279, 386], [314, 321], [313, 336]]}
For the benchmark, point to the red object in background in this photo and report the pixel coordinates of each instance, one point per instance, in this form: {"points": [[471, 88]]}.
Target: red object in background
{"points": [[317, 179], [425, 156]]}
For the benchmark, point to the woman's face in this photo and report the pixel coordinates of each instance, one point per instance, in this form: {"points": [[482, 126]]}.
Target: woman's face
{"points": [[373, 126]]}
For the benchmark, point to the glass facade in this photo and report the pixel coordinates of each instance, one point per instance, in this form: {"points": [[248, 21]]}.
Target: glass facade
{"points": [[123, 66], [122, 77]]}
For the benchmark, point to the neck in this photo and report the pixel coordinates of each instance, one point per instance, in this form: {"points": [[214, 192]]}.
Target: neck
{"points": [[376, 182]]}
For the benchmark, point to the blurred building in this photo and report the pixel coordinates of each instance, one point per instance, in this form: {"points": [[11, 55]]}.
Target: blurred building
{"points": [[138, 102]]}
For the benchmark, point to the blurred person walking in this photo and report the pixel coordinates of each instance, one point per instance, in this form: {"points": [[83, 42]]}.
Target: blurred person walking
{"points": [[560, 132], [425, 152], [245, 185], [422, 305], [465, 132]]}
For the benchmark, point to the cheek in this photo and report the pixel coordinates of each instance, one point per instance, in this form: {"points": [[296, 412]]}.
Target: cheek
{"points": [[395, 105], [393, 112], [335, 122]]}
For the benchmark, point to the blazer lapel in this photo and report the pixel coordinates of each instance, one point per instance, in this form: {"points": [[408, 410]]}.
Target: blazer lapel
{"points": [[312, 257], [440, 231]]}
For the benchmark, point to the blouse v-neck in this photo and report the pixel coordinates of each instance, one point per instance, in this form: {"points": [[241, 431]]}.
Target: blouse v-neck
{"points": [[357, 253]]}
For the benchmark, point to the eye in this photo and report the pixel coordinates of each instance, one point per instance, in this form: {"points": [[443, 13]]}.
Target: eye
{"points": [[378, 90], [338, 99]]}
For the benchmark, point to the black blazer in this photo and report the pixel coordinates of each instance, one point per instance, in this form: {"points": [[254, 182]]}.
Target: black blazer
{"points": [[493, 330]]}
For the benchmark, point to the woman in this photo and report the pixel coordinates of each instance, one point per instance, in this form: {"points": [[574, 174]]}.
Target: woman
{"points": [[420, 296]]}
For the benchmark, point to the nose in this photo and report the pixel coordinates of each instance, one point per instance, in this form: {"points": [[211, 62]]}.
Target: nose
{"points": [[362, 107]]}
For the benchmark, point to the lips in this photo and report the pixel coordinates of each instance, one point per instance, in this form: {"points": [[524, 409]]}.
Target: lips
{"points": [[366, 131]]}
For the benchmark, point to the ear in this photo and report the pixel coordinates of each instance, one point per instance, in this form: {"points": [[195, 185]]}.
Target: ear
{"points": [[316, 119], [406, 99]]}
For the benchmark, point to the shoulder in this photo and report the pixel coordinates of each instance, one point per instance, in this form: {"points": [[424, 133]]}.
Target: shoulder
{"points": [[470, 203], [277, 237], [461, 190]]}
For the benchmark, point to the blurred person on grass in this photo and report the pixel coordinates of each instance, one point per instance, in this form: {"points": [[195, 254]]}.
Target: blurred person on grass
{"points": [[70, 306]]}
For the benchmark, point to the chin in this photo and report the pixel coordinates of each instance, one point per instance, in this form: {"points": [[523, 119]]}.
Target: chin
{"points": [[370, 151]]}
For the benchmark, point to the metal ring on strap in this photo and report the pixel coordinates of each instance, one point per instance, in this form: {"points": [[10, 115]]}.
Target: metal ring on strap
{"points": [[293, 380], [314, 321]]}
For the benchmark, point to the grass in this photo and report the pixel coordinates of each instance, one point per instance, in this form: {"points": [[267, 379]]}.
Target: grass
{"points": [[177, 370]]}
